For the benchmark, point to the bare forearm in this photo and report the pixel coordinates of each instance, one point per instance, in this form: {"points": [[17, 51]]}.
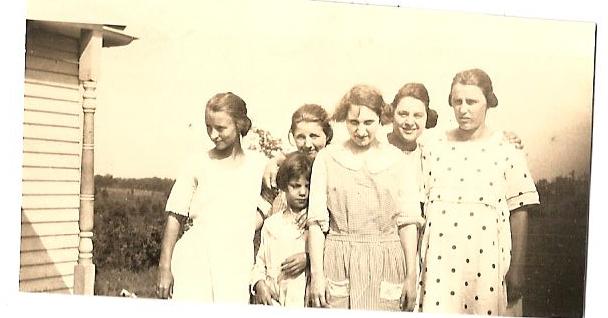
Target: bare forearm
{"points": [[519, 236], [172, 228], [316, 245], [408, 236]]}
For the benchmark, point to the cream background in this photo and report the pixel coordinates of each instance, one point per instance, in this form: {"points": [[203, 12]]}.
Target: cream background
{"points": [[51, 305]]}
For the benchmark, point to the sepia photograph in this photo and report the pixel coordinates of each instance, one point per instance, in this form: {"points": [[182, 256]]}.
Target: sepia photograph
{"points": [[322, 156]]}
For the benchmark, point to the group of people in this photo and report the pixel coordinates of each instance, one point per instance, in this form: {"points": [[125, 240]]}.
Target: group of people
{"points": [[415, 219]]}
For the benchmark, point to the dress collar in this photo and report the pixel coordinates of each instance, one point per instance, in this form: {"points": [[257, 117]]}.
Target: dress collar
{"points": [[382, 156]]}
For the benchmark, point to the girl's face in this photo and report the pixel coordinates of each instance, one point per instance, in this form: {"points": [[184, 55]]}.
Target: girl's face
{"points": [[362, 124], [297, 193], [469, 105], [409, 119], [221, 129], [309, 138]]}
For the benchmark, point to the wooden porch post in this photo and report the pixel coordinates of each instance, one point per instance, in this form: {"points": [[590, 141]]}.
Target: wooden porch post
{"points": [[84, 271]]}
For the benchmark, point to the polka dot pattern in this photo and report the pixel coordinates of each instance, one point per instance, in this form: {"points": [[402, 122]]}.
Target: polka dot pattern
{"points": [[470, 190]]}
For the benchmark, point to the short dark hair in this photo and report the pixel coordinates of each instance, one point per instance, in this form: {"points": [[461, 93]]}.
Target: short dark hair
{"points": [[295, 165], [479, 78], [312, 113], [419, 92], [363, 95]]}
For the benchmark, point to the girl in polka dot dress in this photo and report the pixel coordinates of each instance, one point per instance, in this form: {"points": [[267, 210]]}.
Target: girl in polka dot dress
{"points": [[477, 189]]}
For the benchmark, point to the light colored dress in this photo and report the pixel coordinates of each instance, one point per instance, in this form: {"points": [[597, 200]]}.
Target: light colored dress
{"points": [[280, 239], [362, 205], [212, 261], [470, 187]]}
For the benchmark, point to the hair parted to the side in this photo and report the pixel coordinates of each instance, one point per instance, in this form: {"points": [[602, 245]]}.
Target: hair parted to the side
{"points": [[312, 113], [234, 106], [479, 78], [364, 95], [417, 91], [295, 165]]}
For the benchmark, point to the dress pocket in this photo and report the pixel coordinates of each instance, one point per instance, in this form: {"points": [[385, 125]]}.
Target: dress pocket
{"points": [[339, 292], [390, 295]]}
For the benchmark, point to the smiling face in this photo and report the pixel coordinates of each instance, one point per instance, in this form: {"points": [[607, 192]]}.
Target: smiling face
{"points": [[469, 105], [409, 119], [221, 129], [297, 193], [362, 124], [309, 138]]}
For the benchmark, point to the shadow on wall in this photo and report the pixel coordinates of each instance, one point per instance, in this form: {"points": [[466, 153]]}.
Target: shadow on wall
{"points": [[48, 253]]}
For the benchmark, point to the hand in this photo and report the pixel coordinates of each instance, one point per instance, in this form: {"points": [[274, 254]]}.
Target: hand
{"points": [[408, 294], [294, 265], [270, 173], [514, 281], [263, 294], [319, 292], [513, 139], [164, 289]]}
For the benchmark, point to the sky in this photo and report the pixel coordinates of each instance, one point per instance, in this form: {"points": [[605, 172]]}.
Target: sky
{"points": [[151, 93]]}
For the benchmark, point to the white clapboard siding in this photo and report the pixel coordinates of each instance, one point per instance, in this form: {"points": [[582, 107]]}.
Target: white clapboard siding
{"points": [[51, 118], [52, 105], [50, 65], [38, 285], [50, 201], [46, 270], [49, 132], [52, 92], [34, 49], [44, 187], [49, 256], [51, 147], [51, 79], [42, 159], [49, 215], [35, 173], [29, 244], [40, 38], [53, 228]]}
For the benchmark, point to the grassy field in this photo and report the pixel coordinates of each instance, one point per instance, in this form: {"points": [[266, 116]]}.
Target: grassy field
{"points": [[111, 282]]}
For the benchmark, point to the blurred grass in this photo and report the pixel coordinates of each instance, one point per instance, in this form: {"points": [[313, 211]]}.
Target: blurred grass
{"points": [[109, 282]]}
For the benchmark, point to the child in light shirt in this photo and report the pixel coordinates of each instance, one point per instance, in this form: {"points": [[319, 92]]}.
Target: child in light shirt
{"points": [[282, 237]]}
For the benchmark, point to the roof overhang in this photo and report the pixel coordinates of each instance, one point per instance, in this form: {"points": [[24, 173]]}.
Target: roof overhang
{"points": [[113, 35]]}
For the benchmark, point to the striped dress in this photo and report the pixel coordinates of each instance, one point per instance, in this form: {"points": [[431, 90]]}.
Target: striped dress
{"points": [[361, 206]]}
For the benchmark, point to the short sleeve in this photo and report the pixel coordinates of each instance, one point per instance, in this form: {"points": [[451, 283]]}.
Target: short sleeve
{"points": [[520, 187], [409, 192], [183, 190], [317, 200]]}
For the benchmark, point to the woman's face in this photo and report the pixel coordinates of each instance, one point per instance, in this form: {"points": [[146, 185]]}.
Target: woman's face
{"points": [[362, 124], [221, 129], [409, 118], [469, 105], [309, 138]]}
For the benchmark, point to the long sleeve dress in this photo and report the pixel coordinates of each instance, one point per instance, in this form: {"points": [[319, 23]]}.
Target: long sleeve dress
{"points": [[212, 261], [470, 188], [362, 205]]}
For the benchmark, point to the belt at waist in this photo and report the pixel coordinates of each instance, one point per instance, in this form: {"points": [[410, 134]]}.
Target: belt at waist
{"points": [[363, 238]]}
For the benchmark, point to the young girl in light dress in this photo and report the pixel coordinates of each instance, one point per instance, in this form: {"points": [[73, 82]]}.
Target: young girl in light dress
{"points": [[282, 237], [218, 190]]}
